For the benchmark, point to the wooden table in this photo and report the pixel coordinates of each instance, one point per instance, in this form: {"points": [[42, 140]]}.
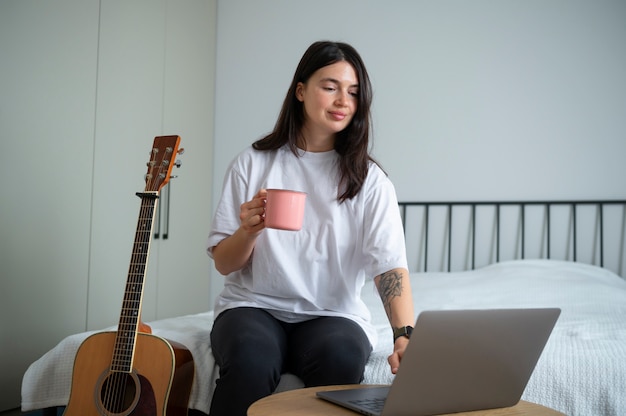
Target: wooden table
{"points": [[303, 402]]}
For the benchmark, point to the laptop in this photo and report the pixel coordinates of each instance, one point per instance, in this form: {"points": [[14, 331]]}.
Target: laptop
{"points": [[458, 361]]}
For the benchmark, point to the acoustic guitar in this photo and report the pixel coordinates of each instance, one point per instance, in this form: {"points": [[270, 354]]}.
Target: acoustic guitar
{"points": [[130, 371]]}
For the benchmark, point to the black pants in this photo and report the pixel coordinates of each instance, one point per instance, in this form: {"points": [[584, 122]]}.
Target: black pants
{"points": [[253, 349]]}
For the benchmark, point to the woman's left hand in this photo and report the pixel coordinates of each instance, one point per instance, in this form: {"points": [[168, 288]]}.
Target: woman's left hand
{"points": [[398, 352]]}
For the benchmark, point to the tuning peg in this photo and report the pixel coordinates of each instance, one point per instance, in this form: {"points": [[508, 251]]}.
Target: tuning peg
{"points": [[178, 163], [181, 151]]}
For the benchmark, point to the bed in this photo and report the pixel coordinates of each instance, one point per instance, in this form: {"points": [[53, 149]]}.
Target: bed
{"points": [[466, 255]]}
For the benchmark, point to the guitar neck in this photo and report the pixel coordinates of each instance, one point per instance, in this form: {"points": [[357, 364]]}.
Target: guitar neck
{"points": [[128, 327]]}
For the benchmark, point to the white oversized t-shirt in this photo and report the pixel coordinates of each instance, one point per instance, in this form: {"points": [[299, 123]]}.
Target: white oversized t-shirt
{"points": [[321, 269]]}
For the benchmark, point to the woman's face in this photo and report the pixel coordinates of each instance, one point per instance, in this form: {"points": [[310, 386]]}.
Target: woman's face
{"points": [[330, 99]]}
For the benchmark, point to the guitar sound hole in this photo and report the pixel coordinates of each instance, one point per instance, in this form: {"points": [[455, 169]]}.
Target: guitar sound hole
{"points": [[118, 393]]}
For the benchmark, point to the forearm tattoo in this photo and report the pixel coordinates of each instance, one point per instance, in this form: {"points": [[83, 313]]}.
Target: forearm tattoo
{"points": [[389, 287]]}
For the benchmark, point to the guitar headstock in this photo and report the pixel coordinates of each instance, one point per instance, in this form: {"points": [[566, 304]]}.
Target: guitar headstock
{"points": [[162, 160]]}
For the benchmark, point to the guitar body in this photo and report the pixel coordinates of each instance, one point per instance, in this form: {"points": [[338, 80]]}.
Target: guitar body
{"points": [[159, 383]]}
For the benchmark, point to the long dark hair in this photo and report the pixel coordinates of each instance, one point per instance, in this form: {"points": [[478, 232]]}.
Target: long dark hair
{"points": [[352, 143]]}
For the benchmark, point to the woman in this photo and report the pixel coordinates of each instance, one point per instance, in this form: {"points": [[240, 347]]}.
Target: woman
{"points": [[291, 299]]}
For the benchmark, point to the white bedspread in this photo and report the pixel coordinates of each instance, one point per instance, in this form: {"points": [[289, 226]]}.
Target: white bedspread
{"points": [[582, 370]]}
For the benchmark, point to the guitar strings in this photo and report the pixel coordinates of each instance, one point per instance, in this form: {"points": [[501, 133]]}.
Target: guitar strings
{"points": [[116, 385], [114, 397]]}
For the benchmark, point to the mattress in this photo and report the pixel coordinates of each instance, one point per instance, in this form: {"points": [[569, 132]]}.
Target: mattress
{"points": [[582, 370]]}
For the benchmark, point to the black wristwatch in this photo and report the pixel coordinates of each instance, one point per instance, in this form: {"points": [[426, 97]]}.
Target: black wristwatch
{"points": [[404, 331]]}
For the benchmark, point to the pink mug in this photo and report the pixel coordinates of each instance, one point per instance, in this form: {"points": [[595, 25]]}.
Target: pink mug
{"points": [[284, 209]]}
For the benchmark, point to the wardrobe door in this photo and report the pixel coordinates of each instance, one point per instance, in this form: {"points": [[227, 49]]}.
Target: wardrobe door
{"points": [[129, 113], [181, 263], [47, 84], [155, 77]]}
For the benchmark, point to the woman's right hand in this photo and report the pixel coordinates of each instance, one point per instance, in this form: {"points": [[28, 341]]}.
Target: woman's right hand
{"points": [[233, 252], [252, 214]]}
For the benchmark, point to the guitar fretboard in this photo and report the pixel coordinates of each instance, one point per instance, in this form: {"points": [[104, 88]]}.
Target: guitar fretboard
{"points": [[131, 306]]}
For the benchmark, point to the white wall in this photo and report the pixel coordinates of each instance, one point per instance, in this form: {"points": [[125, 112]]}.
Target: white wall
{"points": [[473, 99]]}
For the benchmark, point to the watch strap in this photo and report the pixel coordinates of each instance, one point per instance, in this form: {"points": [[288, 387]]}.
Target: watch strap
{"points": [[403, 331]]}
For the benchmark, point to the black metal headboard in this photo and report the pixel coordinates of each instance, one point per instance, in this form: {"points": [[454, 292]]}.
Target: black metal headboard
{"points": [[466, 235]]}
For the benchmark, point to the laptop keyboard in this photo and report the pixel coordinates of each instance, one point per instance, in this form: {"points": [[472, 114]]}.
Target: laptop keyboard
{"points": [[375, 404]]}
